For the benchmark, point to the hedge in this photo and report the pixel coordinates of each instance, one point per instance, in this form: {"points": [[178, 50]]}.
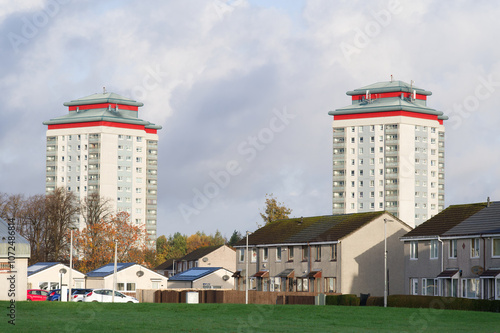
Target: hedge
{"points": [[436, 302], [346, 299]]}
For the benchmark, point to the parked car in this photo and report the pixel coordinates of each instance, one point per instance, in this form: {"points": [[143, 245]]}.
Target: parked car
{"points": [[37, 295], [106, 296], [54, 295], [77, 295]]}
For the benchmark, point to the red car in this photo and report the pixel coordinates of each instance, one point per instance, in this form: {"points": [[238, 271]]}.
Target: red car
{"points": [[37, 294]]}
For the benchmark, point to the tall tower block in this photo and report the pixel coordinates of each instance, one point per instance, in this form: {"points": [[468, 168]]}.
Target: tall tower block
{"points": [[102, 146], [388, 153]]}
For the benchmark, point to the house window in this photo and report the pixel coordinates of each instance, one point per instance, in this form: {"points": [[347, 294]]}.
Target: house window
{"points": [[290, 253], [317, 253], [434, 249], [333, 249], [429, 287], [253, 258], [453, 248], [414, 250], [278, 253], [496, 248], [330, 284], [265, 254], [474, 247], [242, 255], [470, 288], [125, 286], [305, 252]]}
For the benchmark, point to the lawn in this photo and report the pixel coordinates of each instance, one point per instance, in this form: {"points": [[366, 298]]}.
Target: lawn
{"points": [[98, 317]]}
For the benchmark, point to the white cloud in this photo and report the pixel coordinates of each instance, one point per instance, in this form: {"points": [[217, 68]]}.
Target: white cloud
{"points": [[212, 72]]}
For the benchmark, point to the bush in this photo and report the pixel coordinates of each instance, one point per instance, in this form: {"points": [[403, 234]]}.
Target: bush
{"points": [[437, 302], [375, 301], [347, 299]]}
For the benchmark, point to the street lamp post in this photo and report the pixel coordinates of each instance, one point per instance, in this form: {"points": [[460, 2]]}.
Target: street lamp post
{"points": [[246, 273], [70, 264], [114, 272], [385, 261]]}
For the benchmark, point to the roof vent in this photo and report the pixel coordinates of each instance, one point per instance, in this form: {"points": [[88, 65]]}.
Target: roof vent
{"points": [[488, 202]]}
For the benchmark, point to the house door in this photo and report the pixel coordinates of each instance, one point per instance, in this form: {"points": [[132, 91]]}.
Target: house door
{"points": [[414, 286]]}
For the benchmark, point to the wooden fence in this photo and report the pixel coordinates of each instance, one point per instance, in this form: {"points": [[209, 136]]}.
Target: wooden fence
{"points": [[227, 296]]}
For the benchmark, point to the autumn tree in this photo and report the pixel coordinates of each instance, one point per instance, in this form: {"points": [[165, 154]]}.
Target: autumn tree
{"points": [[274, 210], [95, 211], [197, 240], [96, 242]]}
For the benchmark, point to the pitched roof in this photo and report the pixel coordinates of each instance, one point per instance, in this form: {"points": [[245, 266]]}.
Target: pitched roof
{"points": [[167, 265], [40, 266], [199, 253], [194, 273], [485, 221], [109, 269], [4, 233], [22, 245], [310, 229], [445, 220]]}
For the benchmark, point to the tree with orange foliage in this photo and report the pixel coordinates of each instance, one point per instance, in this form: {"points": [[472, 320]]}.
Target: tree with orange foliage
{"points": [[95, 244]]}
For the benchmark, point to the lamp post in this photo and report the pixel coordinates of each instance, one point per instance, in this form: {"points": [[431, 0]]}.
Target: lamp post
{"points": [[385, 261], [246, 273], [114, 272], [70, 264]]}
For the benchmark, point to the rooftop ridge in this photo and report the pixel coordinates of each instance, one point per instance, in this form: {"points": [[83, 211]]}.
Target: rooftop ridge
{"points": [[99, 98]]}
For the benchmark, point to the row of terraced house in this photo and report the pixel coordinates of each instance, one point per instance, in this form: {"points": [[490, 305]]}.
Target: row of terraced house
{"points": [[455, 253]]}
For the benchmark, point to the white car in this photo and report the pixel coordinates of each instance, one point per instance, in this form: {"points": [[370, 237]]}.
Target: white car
{"points": [[106, 296]]}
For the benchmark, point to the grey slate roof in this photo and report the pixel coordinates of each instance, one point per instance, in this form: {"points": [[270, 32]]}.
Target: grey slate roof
{"points": [[446, 220], [328, 228], [486, 221], [166, 265]]}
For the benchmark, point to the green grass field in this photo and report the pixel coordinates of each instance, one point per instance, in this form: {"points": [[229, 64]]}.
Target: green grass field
{"points": [[98, 317]]}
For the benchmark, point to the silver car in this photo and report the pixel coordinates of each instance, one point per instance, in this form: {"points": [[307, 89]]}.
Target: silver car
{"points": [[106, 296]]}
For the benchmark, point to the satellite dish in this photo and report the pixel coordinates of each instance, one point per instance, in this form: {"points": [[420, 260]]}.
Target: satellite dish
{"points": [[205, 259], [139, 273], [225, 277]]}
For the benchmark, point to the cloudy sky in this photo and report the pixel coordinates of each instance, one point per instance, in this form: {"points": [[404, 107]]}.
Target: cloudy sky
{"points": [[242, 89]]}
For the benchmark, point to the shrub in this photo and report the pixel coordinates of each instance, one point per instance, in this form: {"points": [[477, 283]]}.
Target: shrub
{"points": [[437, 302], [375, 301], [347, 299]]}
